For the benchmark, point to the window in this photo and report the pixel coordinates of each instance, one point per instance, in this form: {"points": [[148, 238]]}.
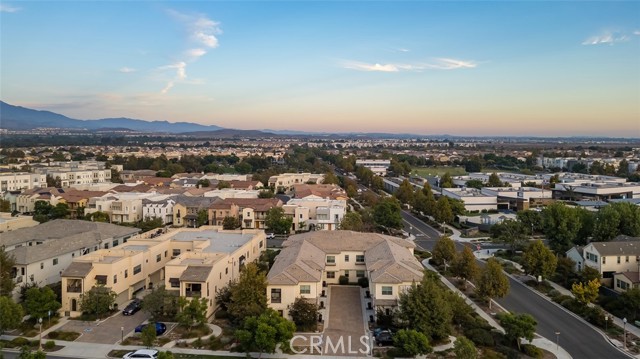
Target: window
{"points": [[174, 282], [41, 265], [360, 274], [115, 278], [55, 261], [592, 257], [261, 244], [346, 273], [331, 275], [331, 259], [176, 252], [618, 259], [276, 295], [604, 260], [626, 259], [346, 257], [387, 290], [305, 289], [137, 269], [126, 273], [114, 243], [360, 258], [158, 258], [165, 254], [226, 270]]}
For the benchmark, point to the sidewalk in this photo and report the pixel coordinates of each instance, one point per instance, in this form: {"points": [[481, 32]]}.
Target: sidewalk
{"points": [[457, 236]]}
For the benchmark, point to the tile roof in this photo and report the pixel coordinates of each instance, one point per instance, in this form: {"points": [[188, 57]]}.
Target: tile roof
{"points": [[77, 269]]}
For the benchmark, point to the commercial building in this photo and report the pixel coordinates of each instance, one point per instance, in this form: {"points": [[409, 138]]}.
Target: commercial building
{"points": [[474, 199], [378, 167], [285, 182]]}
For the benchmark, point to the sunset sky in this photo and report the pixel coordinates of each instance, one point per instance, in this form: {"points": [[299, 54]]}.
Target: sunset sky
{"points": [[551, 68]]}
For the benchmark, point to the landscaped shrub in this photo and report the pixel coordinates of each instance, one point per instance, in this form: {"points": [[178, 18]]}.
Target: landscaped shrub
{"points": [[491, 354], [343, 280], [595, 316], [19, 342], [50, 344], [480, 337], [363, 282], [221, 314], [532, 351], [561, 298]]}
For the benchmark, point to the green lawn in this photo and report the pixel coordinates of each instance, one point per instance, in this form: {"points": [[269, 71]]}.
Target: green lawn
{"points": [[438, 171], [120, 353]]}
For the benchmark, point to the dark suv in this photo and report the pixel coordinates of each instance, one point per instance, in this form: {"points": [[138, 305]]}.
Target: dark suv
{"points": [[132, 307], [384, 338]]}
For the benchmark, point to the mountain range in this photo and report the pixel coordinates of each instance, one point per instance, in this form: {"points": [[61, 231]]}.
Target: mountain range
{"points": [[22, 118]]}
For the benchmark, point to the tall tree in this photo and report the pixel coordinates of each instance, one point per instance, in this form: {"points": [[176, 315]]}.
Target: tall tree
{"points": [[444, 251], [465, 349], [98, 300], [446, 181], [443, 211], [510, 232], [5, 205], [330, 178], [203, 217], [387, 213], [494, 181], [538, 260], [493, 283], [404, 193], [411, 343], [586, 293], [10, 314], [7, 262], [465, 266], [518, 326], [352, 221], [192, 312], [249, 294], [561, 225], [149, 335], [277, 222], [426, 307], [160, 304], [230, 222], [39, 302], [263, 333], [304, 314]]}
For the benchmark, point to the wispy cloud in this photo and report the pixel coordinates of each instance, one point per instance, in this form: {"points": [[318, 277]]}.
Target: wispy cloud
{"points": [[607, 37], [435, 64], [127, 70], [4, 7], [637, 32], [202, 33]]}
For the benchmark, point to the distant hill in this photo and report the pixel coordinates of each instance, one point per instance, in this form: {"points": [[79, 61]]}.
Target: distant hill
{"points": [[22, 118]]}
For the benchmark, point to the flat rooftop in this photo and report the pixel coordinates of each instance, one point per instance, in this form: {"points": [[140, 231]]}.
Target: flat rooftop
{"points": [[110, 259], [135, 247], [218, 242]]}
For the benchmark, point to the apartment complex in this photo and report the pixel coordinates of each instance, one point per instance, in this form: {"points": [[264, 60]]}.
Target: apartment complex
{"points": [[285, 182], [194, 263], [378, 167], [16, 181], [310, 262]]}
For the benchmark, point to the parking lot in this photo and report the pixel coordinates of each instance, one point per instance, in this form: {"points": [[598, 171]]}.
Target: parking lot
{"points": [[106, 332]]}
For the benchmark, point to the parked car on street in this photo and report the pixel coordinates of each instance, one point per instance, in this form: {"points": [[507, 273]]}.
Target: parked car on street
{"points": [[384, 338], [271, 235], [160, 328], [142, 353], [132, 307]]}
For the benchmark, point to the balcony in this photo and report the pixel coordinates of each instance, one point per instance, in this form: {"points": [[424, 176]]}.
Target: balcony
{"points": [[74, 289], [193, 293]]}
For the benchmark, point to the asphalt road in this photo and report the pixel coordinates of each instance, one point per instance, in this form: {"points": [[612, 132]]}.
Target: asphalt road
{"points": [[576, 337]]}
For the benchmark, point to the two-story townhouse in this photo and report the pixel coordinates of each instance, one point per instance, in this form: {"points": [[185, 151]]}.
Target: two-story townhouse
{"points": [[186, 210], [193, 262], [323, 214], [612, 257], [284, 182], [311, 262], [16, 181], [253, 212], [218, 211], [162, 209]]}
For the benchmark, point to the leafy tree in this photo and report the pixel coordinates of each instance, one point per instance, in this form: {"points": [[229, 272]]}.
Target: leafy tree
{"points": [[430, 202], [248, 295], [223, 185], [538, 260], [304, 314], [444, 251], [160, 304], [494, 181], [561, 225], [263, 333], [411, 343], [442, 212], [473, 164], [203, 183], [493, 283], [377, 184], [266, 193], [166, 355], [192, 312], [457, 206], [586, 293], [531, 220], [426, 307], [629, 218], [7, 262], [386, 213], [11, 314], [623, 168], [631, 301], [352, 221], [41, 211], [149, 223], [464, 349], [518, 326], [277, 221], [27, 353], [474, 183], [404, 194], [61, 210], [607, 224], [98, 300], [465, 266], [98, 217], [203, 217], [40, 301], [149, 335], [330, 178], [230, 222], [446, 181], [510, 232]]}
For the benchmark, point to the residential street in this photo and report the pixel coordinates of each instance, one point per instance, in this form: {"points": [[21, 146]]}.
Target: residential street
{"points": [[576, 337]]}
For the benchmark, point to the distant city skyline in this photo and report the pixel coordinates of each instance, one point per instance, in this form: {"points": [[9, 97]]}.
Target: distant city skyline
{"points": [[434, 67]]}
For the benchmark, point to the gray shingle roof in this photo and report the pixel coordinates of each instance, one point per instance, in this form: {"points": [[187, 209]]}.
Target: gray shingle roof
{"points": [[617, 248], [78, 269], [196, 274]]}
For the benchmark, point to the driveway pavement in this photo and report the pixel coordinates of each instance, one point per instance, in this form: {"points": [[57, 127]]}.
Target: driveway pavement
{"points": [[346, 324], [107, 331]]}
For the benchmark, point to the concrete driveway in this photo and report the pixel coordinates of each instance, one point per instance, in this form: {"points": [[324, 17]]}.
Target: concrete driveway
{"points": [[108, 331], [346, 323]]}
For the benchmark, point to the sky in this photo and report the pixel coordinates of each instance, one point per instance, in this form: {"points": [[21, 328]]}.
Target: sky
{"points": [[548, 68]]}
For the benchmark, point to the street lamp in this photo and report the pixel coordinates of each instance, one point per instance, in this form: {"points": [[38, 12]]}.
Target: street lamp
{"points": [[606, 323], [557, 341], [40, 340], [624, 328], [121, 335]]}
